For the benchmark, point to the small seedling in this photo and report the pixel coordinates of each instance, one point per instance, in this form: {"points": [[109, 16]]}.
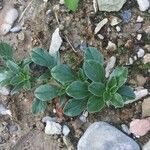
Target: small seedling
{"points": [[72, 4]]}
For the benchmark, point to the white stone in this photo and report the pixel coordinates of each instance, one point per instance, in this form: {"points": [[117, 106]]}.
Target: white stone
{"points": [[100, 36], [111, 46], [135, 57], [139, 94], [139, 19], [16, 29], [4, 91], [139, 36], [143, 4], [11, 16], [140, 53], [118, 28], [47, 118], [125, 128], [5, 28], [65, 130], [61, 2], [131, 61], [95, 6], [52, 128], [110, 66], [100, 25], [146, 146], [146, 59], [4, 111], [102, 136], [114, 20], [55, 43]]}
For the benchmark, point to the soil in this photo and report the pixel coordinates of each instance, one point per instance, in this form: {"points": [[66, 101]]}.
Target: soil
{"points": [[77, 31]]}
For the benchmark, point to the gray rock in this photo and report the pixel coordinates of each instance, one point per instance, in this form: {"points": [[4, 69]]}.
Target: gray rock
{"points": [[110, 5], [146, 146], [102, 136]]}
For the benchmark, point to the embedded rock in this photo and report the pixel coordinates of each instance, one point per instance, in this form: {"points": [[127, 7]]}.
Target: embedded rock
{"points": [[103, 136]]}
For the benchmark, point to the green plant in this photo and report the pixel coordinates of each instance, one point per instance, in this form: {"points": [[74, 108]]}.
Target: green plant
{"points": [[15, 74], [72, 4], [88, 88]]}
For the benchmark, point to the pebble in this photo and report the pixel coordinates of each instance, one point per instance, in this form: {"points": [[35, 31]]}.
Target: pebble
{"points": [[139, 127], [118, 28], [139, 94], [146, 107], [100, 25], [4, 91], [125, 129], [83, 45], [146, 146], [141, 80], [140, 53], [21, 36], [139, 36], [16, 29], [47, 118], [101, 37], [110, 65], [65, 130], [4, 111], [61, 2], [146, 59], [103, 136], [139, 19], [111, 46], [131, 61], [114, 20], [126, 16], [143, 4]]}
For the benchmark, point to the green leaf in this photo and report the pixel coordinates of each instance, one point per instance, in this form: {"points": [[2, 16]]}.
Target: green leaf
{"points": [[38, 106], [17, 87], [121, 74], [16, 79], [44, 76], [27, 85], [117, 101], [13, 67], [62, 73], [75, 107], [92, 53], [94, 71], [46, 92], [127, 93], [112, 85], [42, 57], [107, 96], [78, 90], [72, 4], [81, 75], [97, 88], [5, 51], [95, 104]]}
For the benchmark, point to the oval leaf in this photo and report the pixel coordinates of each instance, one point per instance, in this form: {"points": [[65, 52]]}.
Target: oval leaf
{"points": [[75, 107], [62, 73], [97, 88], [38, 106], [78, 90], [46, 92], [117, 101], [92, 53], [13, 66], [127, 93], [42, 57], [6, 51], [94, 71], [95, 104]]}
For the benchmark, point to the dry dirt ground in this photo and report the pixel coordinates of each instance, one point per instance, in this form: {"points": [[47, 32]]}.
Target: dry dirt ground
{"points": [[24, 131]]}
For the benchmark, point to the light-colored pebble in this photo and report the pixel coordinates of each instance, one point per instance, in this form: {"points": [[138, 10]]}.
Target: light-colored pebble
{"points": [[139, 36], [146, 107], [65, 130], [139, 19], [16, 29], [143, 4], [111, 46], [118, 28], [114, 20], [140, 53], [146, 59]]}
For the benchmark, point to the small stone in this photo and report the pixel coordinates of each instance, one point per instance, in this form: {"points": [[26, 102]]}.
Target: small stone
{"points": [[61, 2], [125, 129], [100, 36], [52, 128], [146, 107], [118, 28], [4, 111], [103, 136], [129, 44], [114, 20], [126, 16], [110, 65], [16, 29], [139, 36], [47, 118], [13, 128], [141, 80], [139, 19], [21, 36], [100, 25], [135, 58], [140, 127], [143, 4], [140, 53], [5, 28], [4, 91], [110, 5], [146, 146], [111, 46], [146, 59], [65, 130], [131, 61], [83, 45]]}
